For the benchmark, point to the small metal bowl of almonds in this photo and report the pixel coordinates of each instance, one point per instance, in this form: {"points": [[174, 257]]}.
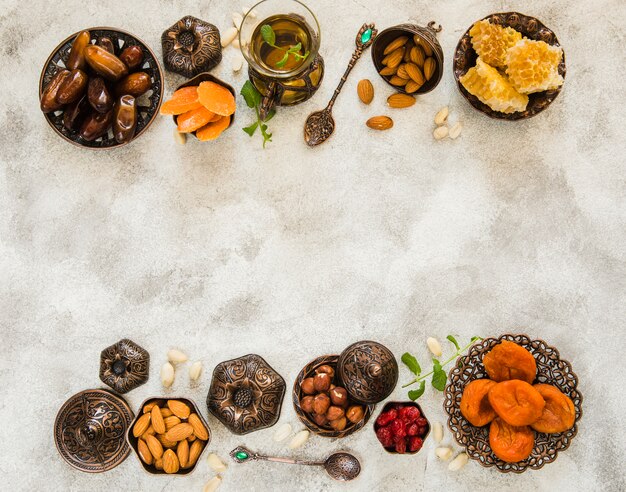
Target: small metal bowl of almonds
{"points": [[168, 435], [409, 57]]}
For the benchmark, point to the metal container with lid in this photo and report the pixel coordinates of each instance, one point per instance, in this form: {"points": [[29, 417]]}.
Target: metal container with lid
{"points": [[368, 371], [124, 366]]}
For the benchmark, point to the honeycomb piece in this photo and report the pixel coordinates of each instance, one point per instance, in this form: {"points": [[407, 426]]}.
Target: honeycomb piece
{"points": [[493, 89], [491, 41], [533, 66]]}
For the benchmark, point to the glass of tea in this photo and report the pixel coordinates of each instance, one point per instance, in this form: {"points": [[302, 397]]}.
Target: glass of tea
{"points": [[280, 40]]}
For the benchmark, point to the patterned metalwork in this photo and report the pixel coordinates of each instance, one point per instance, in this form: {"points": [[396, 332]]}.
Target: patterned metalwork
{"points": [[239, 381], [89, 430], [191, 46], [320, 125], [551, 369], [124, 366], [465, 58], [297, 395], [148, 104], [428, 34], [368, 370]]}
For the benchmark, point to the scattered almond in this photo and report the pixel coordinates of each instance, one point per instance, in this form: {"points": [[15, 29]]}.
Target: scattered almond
{"points": [[176, 356], [237, 20], [195, 371], [455, 130], [365, 91], [237, 63], [167, 374], [215, 463], [212, 485], [400, 101], [380, 123], [442, 116], [440, 133], [437, 432], [434, 346], [229, 36], [443, 453], [459, 462], [299, 439], [246, 11], [283, 432]]}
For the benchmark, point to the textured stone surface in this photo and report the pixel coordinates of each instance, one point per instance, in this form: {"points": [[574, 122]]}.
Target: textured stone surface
{"points": [[225, 249]]}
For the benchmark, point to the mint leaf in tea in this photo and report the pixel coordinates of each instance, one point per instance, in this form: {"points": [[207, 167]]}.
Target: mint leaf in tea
{"points": [[282, 43]]}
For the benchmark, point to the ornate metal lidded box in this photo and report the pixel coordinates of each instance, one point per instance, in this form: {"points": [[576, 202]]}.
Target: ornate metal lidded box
{"points": [[191, 46], [246, 394], [89, 430], [124, 366]]}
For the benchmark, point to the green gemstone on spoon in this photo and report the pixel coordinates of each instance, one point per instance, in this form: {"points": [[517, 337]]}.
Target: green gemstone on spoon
{"points": [[241, 455], [366, 36]]}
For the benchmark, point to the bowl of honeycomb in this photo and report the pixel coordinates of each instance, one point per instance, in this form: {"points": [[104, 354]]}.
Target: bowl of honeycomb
{"points": [[509, 66]]}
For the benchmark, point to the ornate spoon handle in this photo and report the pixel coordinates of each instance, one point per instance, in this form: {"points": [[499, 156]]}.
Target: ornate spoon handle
{"points": [[364, 40], [242, 454]]}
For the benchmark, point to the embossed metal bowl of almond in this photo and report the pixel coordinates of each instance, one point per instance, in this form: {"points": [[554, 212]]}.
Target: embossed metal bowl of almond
{"points": [[168, 436], [409, 57]]}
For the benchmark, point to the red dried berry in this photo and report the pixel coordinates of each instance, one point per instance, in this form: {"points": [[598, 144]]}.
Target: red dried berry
{"points": [[385, 437], [415, 444], [401, 446], [422, 422], [413, 430], [386, 417], [397, 428]]}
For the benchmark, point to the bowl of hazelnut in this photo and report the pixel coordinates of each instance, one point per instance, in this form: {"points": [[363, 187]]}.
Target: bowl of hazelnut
{"points": [[322, 402]]}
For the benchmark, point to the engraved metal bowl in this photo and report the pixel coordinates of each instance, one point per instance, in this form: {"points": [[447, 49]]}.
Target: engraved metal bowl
{"points": [[89, 430], [124, 366], [148, 104], [551, 369], [161, 401], [297, 395], [465, 58]]}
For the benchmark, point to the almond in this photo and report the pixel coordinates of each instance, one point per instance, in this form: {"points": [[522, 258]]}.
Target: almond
{"points": [[412, 87], [365, 91], [191, 438], [380, 123], [149, 432], [158, 464], [166, 443], [144, 452], [429, 68], [216, 464], [155, 446], [400, 101], [398, 81], [170, 422], [455, 130], [166, 412], [212, 485], [176, 356], [141, 425], [395, 44], [157, 420], [194, 452], [179, 432], [195, 371], [178, 408], [407, 52], [415, 73], [440, 133], [395, 58], [182, 452], [148, 406], [387, 71], [428, 51], [417, 56], [170, 462], [198, 427], [402, 72], [167, 375]]}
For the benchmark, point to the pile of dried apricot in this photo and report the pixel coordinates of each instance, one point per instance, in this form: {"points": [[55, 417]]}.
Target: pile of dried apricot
{"points": [[205, 109], [512, 405]]}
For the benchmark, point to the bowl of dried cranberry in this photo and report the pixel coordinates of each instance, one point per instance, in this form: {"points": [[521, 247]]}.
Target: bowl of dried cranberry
{"points": [[402, 427]]}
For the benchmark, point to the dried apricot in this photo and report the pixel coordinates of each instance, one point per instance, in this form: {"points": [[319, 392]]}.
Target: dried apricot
{"points": [[214, 129], [475, 405], [510, 443], [182, 100], [508, 360], [193, 120], [516, 402], [216, 98], [559, 413]]}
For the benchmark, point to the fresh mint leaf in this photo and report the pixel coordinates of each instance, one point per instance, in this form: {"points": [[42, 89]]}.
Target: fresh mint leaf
{"points": [[439, 376], [411, 362], [251, 95], [250, 130], [268, 35], [473, 339], [453, 340], [270, 115], [415, 394], [283, 62]]}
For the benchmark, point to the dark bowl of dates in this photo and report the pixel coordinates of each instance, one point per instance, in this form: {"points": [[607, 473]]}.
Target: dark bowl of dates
{"points": [[409, 44], [150, 445], [101, 88], [402, 427], [206, 77], [323, 405]]}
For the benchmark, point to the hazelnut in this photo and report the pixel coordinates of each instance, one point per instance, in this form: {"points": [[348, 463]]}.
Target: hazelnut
{"points": [[321, 404], [334, 413], [339, 397], [306, 404], [321, 382], [326, 369], [320, 420], [308, 386], [339, 424], [355, 413]]}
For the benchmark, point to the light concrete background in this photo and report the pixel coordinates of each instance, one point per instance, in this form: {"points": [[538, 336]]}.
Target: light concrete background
{"points": [[223, 248]]}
